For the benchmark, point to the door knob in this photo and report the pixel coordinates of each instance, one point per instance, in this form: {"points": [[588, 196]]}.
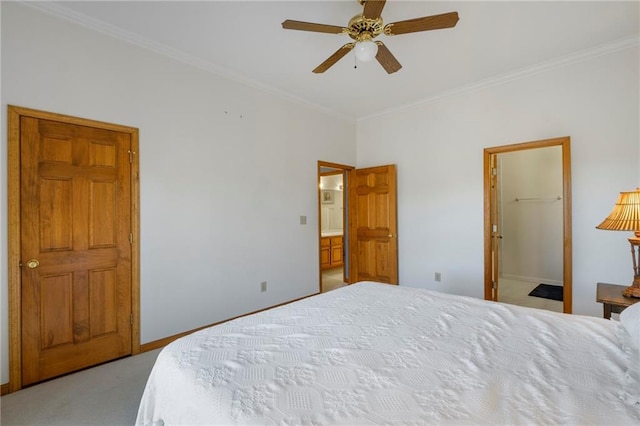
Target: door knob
{"points": [[32, 263]]}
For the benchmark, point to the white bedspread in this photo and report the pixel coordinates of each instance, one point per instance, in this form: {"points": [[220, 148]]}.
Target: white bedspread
{"points": [[380, 354]]}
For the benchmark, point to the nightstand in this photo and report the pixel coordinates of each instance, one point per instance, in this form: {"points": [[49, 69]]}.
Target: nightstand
{"points": [[613, 302]]}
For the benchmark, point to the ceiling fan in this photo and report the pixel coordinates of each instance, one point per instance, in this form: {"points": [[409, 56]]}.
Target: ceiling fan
{"points": [[363, 28]]}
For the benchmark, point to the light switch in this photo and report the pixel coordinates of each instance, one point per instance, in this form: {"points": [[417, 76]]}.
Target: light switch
{"points": [[303, 220]]}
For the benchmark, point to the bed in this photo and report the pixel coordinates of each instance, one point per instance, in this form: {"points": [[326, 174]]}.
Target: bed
{"points": [[373, 353]]}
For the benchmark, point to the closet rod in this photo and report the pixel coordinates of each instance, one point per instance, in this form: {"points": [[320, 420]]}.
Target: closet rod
{"points": [[540, 199]]}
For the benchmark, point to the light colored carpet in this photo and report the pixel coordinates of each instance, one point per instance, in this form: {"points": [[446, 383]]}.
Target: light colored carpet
{"points": [[332, 279], [105, 395]]}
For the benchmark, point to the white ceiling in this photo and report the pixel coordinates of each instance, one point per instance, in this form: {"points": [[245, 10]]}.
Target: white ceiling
{"points": [[244, 40]]}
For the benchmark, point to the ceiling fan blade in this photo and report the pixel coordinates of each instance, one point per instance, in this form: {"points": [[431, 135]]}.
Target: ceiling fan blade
{"points": [[386, 59], [373, 8], [310, 26], [435, 22], [334, 58]]}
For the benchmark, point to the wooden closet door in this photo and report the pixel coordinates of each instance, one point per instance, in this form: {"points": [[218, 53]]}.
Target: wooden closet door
{"points": [[75, 247]]}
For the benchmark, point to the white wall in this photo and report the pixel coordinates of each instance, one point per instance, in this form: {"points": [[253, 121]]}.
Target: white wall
{"points": [[531, 215], [438, 149], [226, 170]]}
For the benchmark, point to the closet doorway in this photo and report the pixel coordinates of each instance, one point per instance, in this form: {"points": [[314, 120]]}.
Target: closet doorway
{"points": [[527, 220]]}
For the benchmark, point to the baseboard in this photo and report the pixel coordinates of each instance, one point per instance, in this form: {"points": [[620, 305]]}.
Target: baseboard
{"points": [[4, 389], [166, 340], [160, 343]]}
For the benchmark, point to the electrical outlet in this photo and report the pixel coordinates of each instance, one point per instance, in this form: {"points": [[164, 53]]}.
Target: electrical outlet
{"points": [[437, 276], [263, 286]]}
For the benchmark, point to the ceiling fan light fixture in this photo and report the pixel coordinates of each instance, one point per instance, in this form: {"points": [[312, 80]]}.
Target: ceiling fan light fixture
{"points": [[366, 50], [366, 26]]}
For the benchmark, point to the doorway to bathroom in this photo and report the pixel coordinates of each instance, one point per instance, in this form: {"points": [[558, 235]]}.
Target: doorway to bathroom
{"points": [[367, 245], [334, 240]]}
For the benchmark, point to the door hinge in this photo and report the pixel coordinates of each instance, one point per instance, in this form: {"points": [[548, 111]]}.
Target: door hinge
{"points": [[130, 238], [493, 285], [131, 154], [131, 319], [494, 171]]}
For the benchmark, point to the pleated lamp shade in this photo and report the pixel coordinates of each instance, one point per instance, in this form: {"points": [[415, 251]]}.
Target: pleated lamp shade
{"points": [[625, 215]]}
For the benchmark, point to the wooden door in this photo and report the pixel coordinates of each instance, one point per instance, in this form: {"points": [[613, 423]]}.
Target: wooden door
{"points": [[76, 236], [495, 229], [373, 224]]}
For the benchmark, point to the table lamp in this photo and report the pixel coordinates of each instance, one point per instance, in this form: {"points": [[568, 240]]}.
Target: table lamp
{"points": [[625, 216]]}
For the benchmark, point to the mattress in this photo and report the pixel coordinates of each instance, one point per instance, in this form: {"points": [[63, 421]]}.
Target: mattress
{"points": [[374, 353]]}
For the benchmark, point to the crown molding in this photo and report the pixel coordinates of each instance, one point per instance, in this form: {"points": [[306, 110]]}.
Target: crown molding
{"points": [[60, 11], [581, 56], [57, 10]]}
